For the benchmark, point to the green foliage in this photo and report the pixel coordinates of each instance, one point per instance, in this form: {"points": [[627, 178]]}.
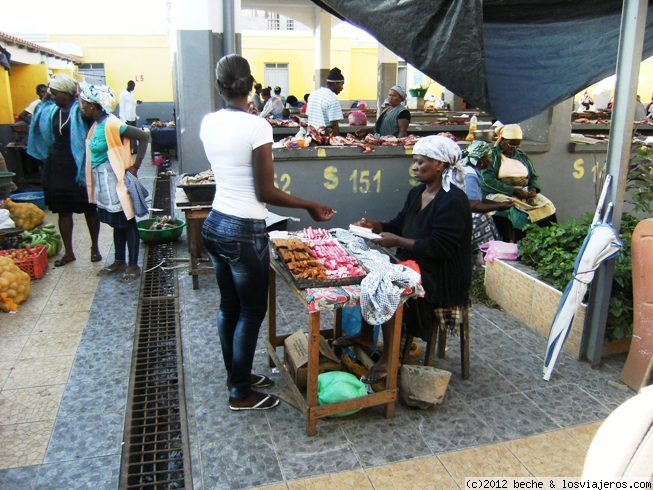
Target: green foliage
{"points": [[552, 251], [477, 289], [639, 184]]}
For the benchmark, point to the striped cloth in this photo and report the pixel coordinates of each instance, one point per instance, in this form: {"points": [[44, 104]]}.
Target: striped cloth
{"points": [[138, 193]]}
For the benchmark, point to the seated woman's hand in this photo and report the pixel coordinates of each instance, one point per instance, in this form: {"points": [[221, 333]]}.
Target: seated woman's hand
{"points": [[521, 193], [368, 223], [532, 192], [388, 240]]}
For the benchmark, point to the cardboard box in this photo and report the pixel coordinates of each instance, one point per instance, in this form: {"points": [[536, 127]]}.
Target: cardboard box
{"points": [[296, 357]]}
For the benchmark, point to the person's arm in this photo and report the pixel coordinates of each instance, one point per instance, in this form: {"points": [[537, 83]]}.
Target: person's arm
{"points": [[533, 179], [490, 182], [263, 170], [335, 125], [267, 109], [402, 124], [143, 138], [25, 116], [485, 206]]}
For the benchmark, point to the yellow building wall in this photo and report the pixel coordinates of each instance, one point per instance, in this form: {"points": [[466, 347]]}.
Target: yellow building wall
{"points": [[23, 82], [144, 59], [358, 65], [6, 106]]}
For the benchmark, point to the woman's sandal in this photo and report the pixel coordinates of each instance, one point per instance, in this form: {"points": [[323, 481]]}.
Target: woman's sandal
{"points": [[96, 256], [113, 268], [132, 272], [255, 401], [351, 340], [63, 261], [258, 381], [374, 376]]}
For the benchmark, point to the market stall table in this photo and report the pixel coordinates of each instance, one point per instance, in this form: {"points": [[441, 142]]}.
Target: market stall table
{"points": [[195, 214], [317, 300], [163, 140]]}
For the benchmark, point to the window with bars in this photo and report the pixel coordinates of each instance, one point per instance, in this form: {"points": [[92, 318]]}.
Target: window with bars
{"points": [[290, 24], [274, 23]]}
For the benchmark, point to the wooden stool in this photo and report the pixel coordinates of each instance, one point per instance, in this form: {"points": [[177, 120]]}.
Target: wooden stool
{"points": [[439, 337]]}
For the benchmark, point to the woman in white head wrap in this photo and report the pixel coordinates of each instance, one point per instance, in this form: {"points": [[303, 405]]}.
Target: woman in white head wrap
{"points": [[57, 137], [434, 229], [395, 118], [108, 161], [511, 177]]}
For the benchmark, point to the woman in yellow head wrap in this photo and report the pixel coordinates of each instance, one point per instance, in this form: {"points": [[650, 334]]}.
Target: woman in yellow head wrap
{"points": [[511, 177]]}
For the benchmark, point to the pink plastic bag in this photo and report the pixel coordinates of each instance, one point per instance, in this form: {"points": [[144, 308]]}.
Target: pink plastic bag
{"points": [[496, 249], [357, 118]]}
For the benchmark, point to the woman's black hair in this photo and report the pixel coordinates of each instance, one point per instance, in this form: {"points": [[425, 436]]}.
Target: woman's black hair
{"points": [[234, 76]]}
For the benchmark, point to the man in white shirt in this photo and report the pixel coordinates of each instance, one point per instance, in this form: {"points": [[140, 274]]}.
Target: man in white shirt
{"points": [[28, 112], [323, 107], [127, 109]]}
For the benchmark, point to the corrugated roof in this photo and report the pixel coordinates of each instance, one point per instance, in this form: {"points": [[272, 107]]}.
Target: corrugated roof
{"points": [[9, 39]]}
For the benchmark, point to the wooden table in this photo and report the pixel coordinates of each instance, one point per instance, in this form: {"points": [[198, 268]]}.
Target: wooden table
{"points": [[307, 403], [195, 214]]}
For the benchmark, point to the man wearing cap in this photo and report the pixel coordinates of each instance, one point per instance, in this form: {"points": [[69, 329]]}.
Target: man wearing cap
{"points": [[323, 106]]}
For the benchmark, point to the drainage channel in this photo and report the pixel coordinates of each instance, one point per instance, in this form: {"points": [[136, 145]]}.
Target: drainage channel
{"points": [[156, 451]]}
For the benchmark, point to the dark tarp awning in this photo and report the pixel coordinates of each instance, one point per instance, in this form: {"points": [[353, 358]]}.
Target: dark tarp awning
{"points": [[512, 58]]}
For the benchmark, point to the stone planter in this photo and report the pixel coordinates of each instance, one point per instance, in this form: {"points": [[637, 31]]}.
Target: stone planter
{"points": [[515, 288]]}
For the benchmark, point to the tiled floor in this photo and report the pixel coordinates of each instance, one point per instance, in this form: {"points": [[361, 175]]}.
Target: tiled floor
{"points": [[64, 367]]}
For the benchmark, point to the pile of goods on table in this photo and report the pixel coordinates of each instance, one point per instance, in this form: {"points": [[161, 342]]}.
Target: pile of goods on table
{"points": [[164, 223], [205, 177], [323, 136], [314, 254]]}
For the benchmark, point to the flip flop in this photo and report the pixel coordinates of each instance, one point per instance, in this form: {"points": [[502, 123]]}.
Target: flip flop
{"points": [[258, 381], [348, 341], [96, 256], [63, 261], [256, 401], [373, 377]]}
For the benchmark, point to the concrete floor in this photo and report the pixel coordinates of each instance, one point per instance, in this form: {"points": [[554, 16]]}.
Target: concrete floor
{"points": [[64, 372]]}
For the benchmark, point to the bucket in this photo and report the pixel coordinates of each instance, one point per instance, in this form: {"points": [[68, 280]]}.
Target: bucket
{"points": [[35, 197]]}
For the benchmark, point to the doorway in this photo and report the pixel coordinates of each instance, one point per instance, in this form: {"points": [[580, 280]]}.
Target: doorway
{"points": [[276, 74]]}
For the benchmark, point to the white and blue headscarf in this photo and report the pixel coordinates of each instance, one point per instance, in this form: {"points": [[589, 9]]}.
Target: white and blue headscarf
{"points": [[442, 149]]}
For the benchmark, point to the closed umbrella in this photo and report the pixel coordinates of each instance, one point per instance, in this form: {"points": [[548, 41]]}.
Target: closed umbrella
{"points": [[601, 243]]}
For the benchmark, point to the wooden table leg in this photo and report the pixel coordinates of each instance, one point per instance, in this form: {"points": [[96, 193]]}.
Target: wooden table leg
{"points": [[393, 343], [313, 371], [272, 312], [195, 246]]}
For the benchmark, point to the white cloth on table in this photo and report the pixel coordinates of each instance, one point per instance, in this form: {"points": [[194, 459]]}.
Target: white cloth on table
{"points": [[385, 282]]}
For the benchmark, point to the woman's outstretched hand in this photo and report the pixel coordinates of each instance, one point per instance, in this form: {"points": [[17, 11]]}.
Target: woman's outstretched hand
{"points": [[320, 212], [388, 240], [368, 223]]}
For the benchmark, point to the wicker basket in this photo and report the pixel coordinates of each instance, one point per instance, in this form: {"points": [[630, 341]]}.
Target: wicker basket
{"points": [[35, 265]]}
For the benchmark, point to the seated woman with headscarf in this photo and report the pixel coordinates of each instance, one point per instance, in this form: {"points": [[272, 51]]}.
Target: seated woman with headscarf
{"points": [[511, 177], [395, 118], [477, 157], [434, 229]]}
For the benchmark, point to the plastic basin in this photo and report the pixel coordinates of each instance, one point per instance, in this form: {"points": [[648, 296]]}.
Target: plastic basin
{"points": [[35, 197], [159, 236]]}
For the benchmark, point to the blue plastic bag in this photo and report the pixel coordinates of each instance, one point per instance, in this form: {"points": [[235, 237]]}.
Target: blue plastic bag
{"points": [[351, 323]]}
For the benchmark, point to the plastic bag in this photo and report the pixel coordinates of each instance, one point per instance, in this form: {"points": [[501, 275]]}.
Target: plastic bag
{"points": [[357, 118], [5, 219], [337, 386], [495, 249]]}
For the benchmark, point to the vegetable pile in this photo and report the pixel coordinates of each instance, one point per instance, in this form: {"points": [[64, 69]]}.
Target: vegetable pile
{"points": [[14, 285], [24, 214], [43, 235]]}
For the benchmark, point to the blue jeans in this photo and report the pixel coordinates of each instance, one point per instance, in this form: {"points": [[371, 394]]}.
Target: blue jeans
{"points": [[239, 250]]}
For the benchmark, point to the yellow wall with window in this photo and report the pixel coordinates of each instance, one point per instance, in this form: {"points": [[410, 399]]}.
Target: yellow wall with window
{"points": [[144, 59], [23, 80], [358, 65]]}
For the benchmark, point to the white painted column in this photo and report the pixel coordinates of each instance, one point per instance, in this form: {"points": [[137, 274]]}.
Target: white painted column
{"points": [[322, 47], [386, 74], [197, 26]]}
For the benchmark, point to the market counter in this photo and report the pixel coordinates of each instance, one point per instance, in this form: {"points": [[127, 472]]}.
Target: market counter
{"points": [[354, 183]]}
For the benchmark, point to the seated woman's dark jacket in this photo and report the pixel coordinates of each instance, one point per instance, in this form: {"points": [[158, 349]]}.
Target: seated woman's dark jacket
{"points": [[442, 233]]}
